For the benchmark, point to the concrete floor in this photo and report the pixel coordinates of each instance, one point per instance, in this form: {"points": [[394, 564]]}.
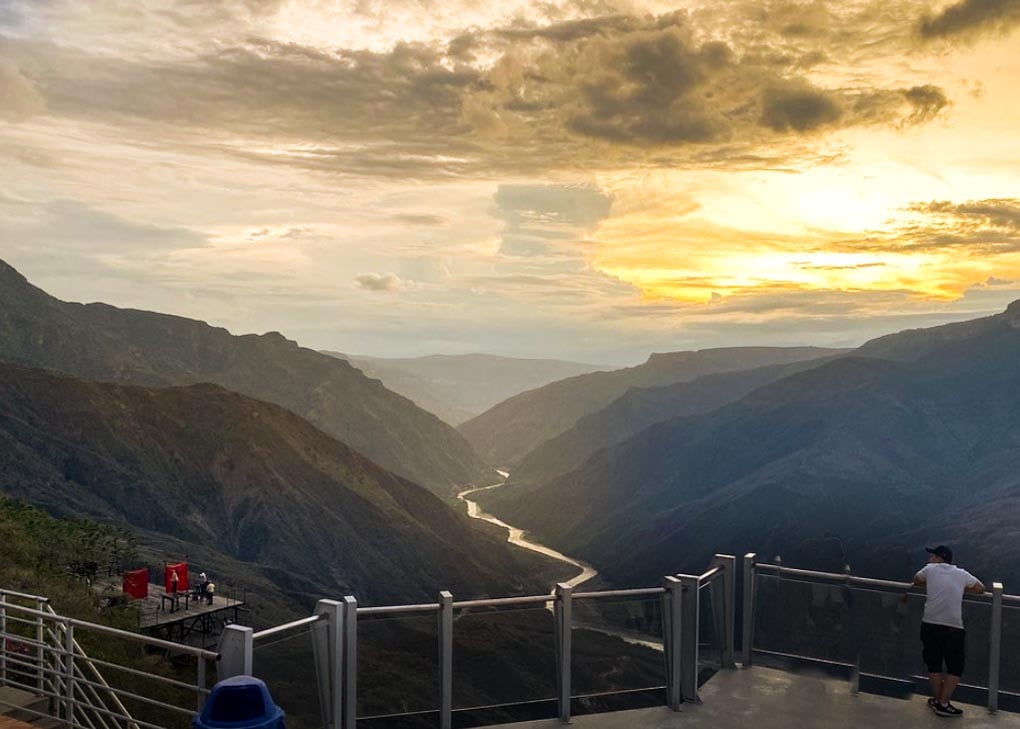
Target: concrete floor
{"points": [[765, 698]]}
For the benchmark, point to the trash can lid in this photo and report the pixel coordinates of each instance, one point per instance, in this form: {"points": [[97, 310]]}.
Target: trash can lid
{"points": [[240, 701]]}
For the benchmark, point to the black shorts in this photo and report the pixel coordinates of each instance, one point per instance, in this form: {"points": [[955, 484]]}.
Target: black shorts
{"points": [[943, 643]]}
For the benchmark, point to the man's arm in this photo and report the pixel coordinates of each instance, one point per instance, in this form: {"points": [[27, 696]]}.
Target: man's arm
{"points": [[977, 588]]}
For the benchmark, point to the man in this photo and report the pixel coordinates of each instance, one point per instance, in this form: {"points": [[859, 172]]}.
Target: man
{"points": [[942, 632]]}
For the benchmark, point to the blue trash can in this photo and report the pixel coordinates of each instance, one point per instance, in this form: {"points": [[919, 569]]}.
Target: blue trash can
{"points": [[241, 702]]}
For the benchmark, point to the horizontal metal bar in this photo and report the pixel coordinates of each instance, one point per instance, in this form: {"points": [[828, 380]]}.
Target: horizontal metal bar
{"points": [[287, 626], [60, 620], [505, 601], [13, 638], [144, 674], [136, 697], [399, 609], [856, 581], [24, 595], [710, 575], [635, 592]]}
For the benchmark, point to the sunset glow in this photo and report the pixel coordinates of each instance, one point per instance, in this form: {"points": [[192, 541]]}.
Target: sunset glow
{"points": [[588, 180]]}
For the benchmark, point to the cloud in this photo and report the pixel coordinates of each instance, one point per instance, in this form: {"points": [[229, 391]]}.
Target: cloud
{"points": [[969, 17], [799, 107], [379, 281], [428, 219], [614, 91], [548, 220], [995, 281], [20, 100]]}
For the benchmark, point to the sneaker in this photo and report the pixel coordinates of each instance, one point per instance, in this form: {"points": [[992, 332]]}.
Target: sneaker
{"points": [[947, 710], [932, 703]]}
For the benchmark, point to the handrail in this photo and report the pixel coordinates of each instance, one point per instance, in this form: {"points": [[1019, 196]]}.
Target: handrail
{"points": [[96, 674], [24, 595], [117, 632], [855, 580], [287, 626]]}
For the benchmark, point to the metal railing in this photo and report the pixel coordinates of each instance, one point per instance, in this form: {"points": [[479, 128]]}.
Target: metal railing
{"points": [[334, 629], [992, 601], [41, 653]]}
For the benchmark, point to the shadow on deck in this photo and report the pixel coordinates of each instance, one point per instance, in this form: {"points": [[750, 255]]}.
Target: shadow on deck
{"points": [[769, 698]]}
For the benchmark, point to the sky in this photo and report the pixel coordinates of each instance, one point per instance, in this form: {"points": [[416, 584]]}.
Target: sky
{"points": [[583, 179]]}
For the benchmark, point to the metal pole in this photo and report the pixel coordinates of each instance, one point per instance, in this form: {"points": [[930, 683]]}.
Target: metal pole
{"points": [[689, 633], [69, 672], [445, 660], [237, 651], [857, 636], [3, 639], [728, 610], [747, 632], [40, 637], [564, 627], [350, 703], [994, 649], [328, 651], [672, 616]]}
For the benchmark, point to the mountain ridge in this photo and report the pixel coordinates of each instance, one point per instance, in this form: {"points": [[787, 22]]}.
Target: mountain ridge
{"points": [[504, 434], [101, 342]]}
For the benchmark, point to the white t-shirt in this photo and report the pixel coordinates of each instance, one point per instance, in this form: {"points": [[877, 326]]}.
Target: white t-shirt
{"points": [[945, 584]]}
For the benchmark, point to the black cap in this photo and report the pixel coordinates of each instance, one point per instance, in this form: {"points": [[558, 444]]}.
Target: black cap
{"points": [[941, 551]]}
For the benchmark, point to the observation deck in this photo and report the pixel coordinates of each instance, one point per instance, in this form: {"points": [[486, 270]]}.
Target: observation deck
{"points": [[744, 644], [769, 698]]}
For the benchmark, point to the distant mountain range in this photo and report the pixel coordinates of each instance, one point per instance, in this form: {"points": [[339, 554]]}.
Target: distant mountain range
{"points": [[458, 387], [914, 438], [104, 343], [507, 432], [246, 479]]}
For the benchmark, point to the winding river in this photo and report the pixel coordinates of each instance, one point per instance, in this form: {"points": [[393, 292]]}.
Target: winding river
{"points": [[517, 536]]}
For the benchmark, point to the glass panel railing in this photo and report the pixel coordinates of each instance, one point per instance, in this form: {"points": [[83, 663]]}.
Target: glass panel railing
{"points": [[617, 648], [977, 619], [884, 631], [398, 666], [801, 618], [710, 631], [287, 665], [503, 659], [1009, 666]]}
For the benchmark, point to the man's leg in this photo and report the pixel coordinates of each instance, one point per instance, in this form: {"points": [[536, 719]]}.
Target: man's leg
{"points": [[932, 656], [955, 654], [948, 686]]}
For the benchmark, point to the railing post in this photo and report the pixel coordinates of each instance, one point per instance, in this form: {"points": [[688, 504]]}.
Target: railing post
{"points": [[445, 660], [855, 671], [726, 613], [994, 649], [40, 639], [750, 586], [237, 651], [689, 633], [564, 627], [350, 676], [69, 672], [672, 616], [328, 651], [3, 638]]}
